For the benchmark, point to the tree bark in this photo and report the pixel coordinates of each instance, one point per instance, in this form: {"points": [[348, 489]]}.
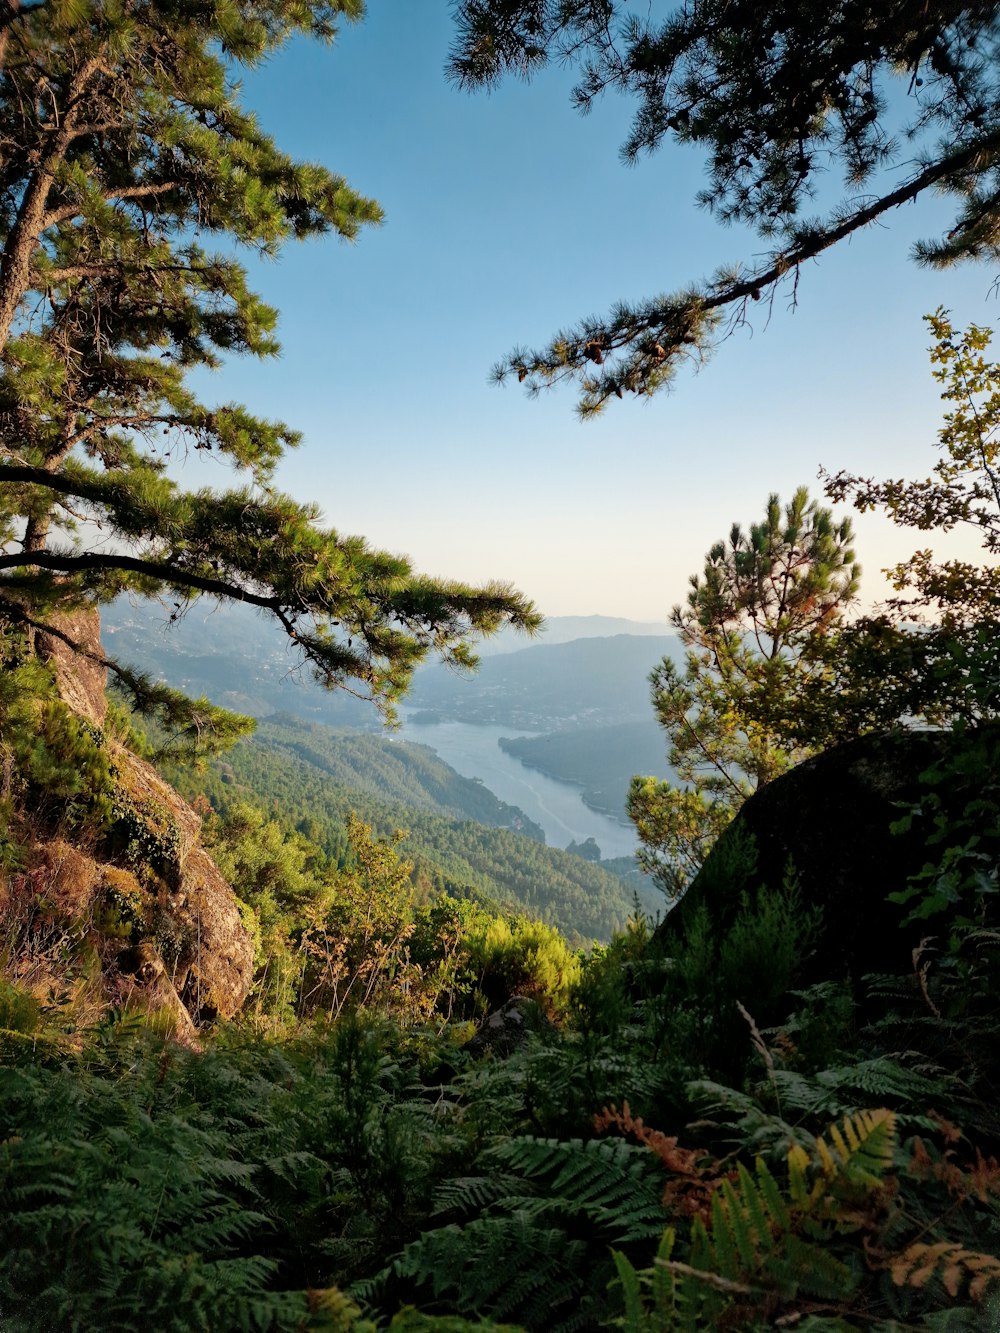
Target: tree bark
{"points": [[15, 266]]}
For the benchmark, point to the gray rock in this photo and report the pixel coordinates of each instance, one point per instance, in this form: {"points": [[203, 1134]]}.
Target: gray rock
{"points": [[508, 1028]]}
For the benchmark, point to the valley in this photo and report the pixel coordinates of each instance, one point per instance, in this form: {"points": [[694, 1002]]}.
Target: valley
{"points": [[541, 742]]}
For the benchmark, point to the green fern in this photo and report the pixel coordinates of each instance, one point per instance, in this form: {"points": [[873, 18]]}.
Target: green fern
{"points": [[508, 1267], [764, 1247], [612, 1183], [540, 1220], [468, 1195]]}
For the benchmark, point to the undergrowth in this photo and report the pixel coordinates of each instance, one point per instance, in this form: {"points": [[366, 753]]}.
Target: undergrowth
{"points": [[362, 1174]]}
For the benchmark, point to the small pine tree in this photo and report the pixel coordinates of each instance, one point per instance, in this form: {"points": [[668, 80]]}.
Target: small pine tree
{"points": [[764, 598]]}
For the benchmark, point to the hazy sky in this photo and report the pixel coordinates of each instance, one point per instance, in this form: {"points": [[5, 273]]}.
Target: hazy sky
{"points": [[508, 216]]}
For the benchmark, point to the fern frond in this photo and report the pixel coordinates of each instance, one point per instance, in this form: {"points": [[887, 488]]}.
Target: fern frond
{"points": [[951, 1264], [762, 1243], [813, 1269], [862, 1151], [474, 1194], [650, 1296], [498, 1266], [614, 1184], [753, 1129]]}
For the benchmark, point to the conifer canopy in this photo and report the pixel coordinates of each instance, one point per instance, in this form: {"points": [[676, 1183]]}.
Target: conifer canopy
{"points": [[131, 177], [877, 102]]}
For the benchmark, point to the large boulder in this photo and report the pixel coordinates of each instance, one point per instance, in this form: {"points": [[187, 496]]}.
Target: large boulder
{"points": [[827, 822], [191, 910]]}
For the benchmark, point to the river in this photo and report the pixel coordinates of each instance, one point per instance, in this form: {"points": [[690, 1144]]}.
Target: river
{"points": [[558, 807]]}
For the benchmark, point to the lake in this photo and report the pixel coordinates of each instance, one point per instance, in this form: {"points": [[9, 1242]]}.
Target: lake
{"points": [[558, 807]]}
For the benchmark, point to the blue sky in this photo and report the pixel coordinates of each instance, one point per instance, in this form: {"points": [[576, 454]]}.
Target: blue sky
{"points": [[508, 216]]}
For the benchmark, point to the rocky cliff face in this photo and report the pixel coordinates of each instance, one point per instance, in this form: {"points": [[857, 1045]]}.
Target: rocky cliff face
{"points": [[144, 903]]}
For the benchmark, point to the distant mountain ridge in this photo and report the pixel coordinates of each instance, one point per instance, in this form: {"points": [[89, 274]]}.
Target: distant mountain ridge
{"points": [[594, 681], [565, 629], [575, 671]]}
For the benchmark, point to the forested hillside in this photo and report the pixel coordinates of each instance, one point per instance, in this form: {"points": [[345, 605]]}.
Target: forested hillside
{"points": [[603, 760], [289, 770], [392, 770]]}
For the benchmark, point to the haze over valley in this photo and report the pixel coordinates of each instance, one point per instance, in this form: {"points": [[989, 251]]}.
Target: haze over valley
{"points": [[540, 742]]}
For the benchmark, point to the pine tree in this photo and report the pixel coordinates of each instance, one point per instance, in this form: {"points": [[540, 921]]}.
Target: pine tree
{"points": [[125, 154], [752, 620], [779, 95]]}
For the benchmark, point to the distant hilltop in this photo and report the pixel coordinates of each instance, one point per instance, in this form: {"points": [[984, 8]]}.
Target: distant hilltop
{"points": [[591, 669], [565, 629]]}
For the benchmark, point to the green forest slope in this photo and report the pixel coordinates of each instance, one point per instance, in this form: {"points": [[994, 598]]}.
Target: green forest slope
{"points": [[312, 778], [399, 771], [602, 760]]}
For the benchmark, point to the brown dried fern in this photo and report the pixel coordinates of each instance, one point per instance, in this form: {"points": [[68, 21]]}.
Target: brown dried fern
{"points": [[690, 1183], [951, 1263]]}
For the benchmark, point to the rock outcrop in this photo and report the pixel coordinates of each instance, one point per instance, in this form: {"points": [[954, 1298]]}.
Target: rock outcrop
{"points": [[828, 821], [144, 896], [189, 908], [507, 1029], [81, 678]]}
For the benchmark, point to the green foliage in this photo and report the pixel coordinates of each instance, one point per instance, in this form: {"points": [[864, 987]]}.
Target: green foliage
{"points": [[523, 1257], [511, 1267], [159, 1213], [129, 155], [356, 942], [719, 973], [881, 671], [337, 935], [885, 103], [51, 761], [964, 490], [956, 891], [144, 836], [521, 957], [764, 598], [762, 1252], [500, 869], [365, 1164], [19, 1011]]}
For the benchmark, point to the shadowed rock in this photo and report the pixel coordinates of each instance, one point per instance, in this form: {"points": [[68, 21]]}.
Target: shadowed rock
{"points": [[507, 1029], [828, 820]]}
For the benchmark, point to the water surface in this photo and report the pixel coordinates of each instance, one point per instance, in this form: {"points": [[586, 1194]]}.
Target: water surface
{"points": [[558, 807]]}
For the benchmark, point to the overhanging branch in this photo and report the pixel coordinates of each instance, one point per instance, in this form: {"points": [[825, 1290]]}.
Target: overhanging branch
{"points": [[61, 562], [651, 338]]}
